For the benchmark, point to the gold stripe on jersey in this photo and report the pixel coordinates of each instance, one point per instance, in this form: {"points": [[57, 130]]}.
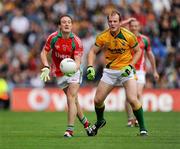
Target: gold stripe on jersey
{"points": [[117, 49]]}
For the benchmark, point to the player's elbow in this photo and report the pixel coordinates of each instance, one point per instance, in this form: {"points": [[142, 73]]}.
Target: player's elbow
{"points": [[43, 53]]}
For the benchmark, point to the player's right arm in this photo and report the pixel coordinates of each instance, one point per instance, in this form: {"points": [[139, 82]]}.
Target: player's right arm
{"points": [[99, 43], [44, 60], [92, 55], [46, 49], [45, 71], [90, 61]]}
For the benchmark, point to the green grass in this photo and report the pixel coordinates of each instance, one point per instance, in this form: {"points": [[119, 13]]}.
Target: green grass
{"points": [[44, 130]]}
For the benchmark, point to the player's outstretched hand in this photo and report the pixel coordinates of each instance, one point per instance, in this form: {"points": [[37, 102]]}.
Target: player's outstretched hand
{"points": [[45, 74], [126, 70], [91, 73]]}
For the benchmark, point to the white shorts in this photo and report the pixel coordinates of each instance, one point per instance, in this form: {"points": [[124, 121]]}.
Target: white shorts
{"points": [[64, 81], [141, 76], [113, 77]]}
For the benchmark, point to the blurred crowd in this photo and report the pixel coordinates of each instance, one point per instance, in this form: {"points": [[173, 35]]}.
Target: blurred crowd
{"points": [[25, 25]]}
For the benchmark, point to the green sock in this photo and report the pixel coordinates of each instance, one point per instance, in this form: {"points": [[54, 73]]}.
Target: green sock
{"points": [[139, 116], [100, 112]]}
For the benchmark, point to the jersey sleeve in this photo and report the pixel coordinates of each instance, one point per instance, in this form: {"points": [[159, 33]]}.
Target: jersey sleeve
{"points": [[133, 41], [147, 44], [79, 47], [99, 41], [47, 45]]}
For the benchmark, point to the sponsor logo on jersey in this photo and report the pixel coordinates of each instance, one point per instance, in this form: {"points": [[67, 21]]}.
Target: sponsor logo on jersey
{"points": [[117, 51]]}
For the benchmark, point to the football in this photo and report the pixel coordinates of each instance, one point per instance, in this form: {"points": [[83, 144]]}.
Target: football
{"points": [[68, 65]]}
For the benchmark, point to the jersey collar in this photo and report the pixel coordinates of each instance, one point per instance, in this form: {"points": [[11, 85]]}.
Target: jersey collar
{"points": [[115, 35], [60, 35], [120, 35]]}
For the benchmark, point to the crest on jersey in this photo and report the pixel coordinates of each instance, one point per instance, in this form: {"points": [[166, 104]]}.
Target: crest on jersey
{"points": [[64, 47]]}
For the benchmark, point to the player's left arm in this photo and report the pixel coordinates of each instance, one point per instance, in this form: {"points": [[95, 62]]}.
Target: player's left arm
{"points": [[78, 53], [127, 69], [77, 59], [151, 58]]}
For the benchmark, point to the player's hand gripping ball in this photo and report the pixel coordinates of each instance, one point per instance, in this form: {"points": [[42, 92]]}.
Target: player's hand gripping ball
{"points": [[68, 66]]}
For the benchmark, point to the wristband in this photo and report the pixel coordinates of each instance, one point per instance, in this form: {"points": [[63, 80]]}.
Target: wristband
{"points": [[47, 67]]}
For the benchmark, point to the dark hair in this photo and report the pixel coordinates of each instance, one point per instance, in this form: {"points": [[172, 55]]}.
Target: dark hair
{"points": [[64, 15], [114, 12]]}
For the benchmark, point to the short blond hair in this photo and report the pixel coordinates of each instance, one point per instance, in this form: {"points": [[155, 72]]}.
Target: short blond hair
{"points": [[114, 12]]}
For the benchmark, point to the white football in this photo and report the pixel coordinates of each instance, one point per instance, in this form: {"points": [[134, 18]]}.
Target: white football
{"points": [[68, 65]]}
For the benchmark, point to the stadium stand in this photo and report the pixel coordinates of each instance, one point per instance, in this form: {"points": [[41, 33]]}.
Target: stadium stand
{"points": [[24, 26]]}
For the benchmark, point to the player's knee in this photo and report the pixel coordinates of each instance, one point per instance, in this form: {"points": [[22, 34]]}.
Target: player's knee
{"points": [[70, 94], [98, 102], [139, 95], [72, 99]]}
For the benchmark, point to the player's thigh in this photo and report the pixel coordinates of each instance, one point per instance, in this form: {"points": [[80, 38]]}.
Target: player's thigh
{"points": [[102, 91], [131, 89]]}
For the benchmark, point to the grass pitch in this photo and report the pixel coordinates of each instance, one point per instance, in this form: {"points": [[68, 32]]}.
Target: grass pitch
{"points": [[44, 130]]}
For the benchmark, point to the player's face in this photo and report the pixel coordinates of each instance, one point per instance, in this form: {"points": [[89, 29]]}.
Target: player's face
{"points": [[134, 27], [114, 23], [66, 24]]}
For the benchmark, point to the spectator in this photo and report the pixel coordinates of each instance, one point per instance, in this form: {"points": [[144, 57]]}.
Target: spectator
{"points": [[160, 21]]}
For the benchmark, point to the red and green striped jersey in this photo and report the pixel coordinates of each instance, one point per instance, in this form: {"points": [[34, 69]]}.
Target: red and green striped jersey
{"points": [[62, 48], [145, 46]]}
